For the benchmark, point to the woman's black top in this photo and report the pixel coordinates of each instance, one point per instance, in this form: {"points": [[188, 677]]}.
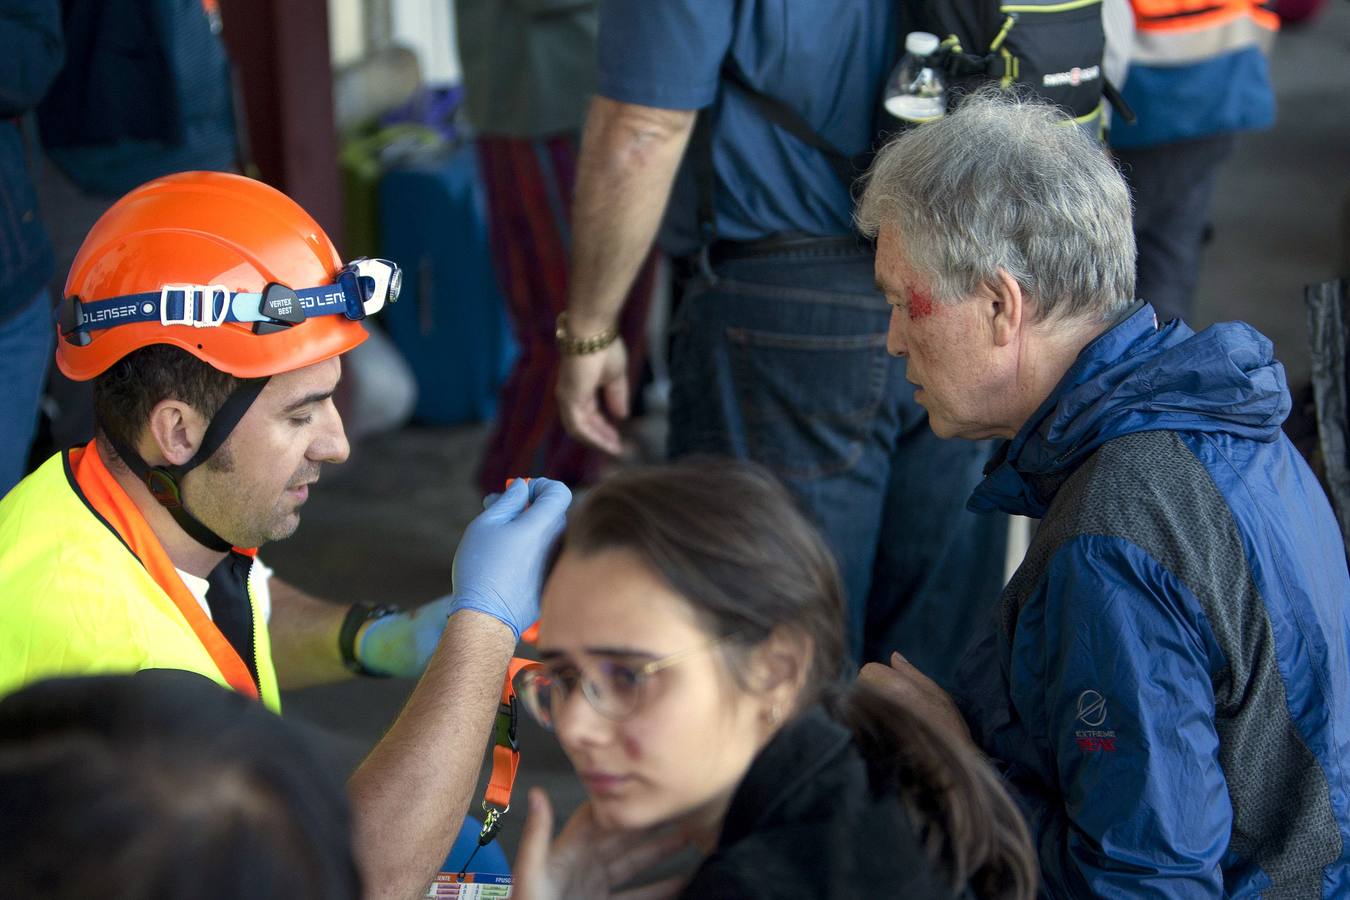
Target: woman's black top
{"points": [[807, 822]]}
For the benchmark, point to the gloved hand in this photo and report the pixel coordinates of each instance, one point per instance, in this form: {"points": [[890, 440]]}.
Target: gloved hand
{"points": [[499, 567], [499, 570]]}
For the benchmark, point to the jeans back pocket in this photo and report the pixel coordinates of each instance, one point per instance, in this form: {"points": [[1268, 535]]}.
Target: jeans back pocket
{"points": [[808, 401]]}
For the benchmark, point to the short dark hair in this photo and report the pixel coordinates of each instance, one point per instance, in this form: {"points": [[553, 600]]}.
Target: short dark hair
{"points": [[125, 394], [163, 784], [730, 539]]}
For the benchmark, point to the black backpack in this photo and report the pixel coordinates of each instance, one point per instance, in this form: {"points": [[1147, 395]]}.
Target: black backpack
{"points": [[1052, 50]]}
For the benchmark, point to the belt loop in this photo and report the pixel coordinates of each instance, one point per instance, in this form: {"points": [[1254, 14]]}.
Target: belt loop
{"points": [[705, 264]]}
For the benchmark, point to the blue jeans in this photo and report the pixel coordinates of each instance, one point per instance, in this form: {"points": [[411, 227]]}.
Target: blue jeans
{"points": [[25, 352], [782, 359], [1172, 186]]}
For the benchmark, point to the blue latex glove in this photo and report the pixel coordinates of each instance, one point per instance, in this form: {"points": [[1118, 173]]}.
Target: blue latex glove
{"points": [[402, 644], [499, 569]]}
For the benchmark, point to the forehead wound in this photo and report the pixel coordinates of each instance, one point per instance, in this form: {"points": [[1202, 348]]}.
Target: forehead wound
{"points": [[920, 302], [913, 289]]}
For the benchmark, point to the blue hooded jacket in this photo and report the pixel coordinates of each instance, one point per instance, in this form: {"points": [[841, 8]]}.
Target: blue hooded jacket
{"points": [[1168, 692]]}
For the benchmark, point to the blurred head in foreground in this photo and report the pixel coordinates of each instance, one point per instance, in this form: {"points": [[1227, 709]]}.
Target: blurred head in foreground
{"points": [[163, 784]]}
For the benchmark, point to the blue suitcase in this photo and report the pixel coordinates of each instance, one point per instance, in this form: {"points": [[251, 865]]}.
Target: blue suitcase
{"points": [[450, 320]]}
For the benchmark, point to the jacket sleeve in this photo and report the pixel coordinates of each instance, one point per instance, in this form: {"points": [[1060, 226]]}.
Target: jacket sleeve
{"points": [[1116, 653], [30, 32]]}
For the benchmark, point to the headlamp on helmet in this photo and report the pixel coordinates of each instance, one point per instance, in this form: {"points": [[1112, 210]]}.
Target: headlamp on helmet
{"points": [[362, 288]]}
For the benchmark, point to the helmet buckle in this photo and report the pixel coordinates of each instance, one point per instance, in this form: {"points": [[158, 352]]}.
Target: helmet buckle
{"points": [[163, 486], [199, 305]]}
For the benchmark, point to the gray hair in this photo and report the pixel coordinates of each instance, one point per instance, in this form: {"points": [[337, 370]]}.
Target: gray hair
{"points": [[1002, 183]]}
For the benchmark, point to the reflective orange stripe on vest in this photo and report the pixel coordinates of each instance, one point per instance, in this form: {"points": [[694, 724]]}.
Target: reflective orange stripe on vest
{"points": [[107, 498], [1190, 15]]}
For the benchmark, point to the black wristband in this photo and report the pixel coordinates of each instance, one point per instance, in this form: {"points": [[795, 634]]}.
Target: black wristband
{"points": [[358, 615]]}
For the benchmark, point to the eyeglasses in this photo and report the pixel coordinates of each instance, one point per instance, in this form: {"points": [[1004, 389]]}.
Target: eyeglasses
{"points": [[615, 691]]}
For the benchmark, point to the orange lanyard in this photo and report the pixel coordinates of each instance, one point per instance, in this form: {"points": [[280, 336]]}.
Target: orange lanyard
{"points": [[505, 751], [505, 747]]}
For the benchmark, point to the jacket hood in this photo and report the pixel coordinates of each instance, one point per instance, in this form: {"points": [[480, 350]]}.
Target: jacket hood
{"points": [[1138, 377]]}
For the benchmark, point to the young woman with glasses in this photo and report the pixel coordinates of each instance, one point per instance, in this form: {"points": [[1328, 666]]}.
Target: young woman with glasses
{"points": [[692, 650]]}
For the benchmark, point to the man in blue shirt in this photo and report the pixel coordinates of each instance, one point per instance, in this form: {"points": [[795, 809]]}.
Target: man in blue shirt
{"points": [[778, 343]]}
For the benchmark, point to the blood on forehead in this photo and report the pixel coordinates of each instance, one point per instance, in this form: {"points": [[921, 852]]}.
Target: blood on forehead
{"points": [[918, 295], [920, 303]]}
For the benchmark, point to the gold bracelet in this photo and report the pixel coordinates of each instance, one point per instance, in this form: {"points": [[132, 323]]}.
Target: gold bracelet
{"points": [[570, 346]]}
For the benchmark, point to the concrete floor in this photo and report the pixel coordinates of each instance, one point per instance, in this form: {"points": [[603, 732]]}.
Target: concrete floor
{"points": [[384, 526]]}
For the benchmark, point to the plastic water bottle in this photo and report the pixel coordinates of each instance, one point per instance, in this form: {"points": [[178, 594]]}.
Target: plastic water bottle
{"points": [[916, 92]]}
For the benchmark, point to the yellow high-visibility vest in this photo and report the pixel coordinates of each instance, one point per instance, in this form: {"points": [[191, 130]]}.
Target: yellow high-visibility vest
{"points": [[86, 588]]}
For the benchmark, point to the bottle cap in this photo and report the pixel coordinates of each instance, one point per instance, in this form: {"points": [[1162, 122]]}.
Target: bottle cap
{"points": [[921, 43]]}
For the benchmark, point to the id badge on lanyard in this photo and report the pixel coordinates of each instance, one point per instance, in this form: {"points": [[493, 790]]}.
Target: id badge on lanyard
{"points": [[469, 886]]}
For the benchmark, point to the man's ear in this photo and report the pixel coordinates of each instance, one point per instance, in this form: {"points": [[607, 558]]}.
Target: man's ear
{"points": [[1007, 309], [175, 432]]}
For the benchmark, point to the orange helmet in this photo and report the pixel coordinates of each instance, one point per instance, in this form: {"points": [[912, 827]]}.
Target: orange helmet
{"points": [[225, 267]]}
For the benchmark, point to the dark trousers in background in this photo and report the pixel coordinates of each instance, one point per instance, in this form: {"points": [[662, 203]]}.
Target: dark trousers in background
{"points": [[25, 354], [782, 359], [1172, 186], [529, 193]]}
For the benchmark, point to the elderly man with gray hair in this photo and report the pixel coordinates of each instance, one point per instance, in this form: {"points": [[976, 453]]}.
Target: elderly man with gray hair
{"points": [[1167, 689]]}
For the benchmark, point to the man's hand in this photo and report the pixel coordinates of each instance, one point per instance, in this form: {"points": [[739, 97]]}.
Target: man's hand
{"points": [[586, 860], [629, 156], [499, 566], [498, 570], [915, 690], [582, 380]]}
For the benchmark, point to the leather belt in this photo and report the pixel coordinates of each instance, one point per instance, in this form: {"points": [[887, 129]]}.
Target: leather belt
{"points": [[786, 244]]}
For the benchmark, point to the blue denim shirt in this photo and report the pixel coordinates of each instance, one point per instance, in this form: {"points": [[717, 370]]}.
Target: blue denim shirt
{"points": [[669, 55]]}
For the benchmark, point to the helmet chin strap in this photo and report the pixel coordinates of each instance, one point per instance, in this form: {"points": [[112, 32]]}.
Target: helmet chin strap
{"points": [[165, 483]]}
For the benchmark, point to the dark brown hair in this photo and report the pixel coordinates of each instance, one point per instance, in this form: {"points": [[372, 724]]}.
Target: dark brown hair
{"points": [[126, 393], [164, 784], [729, 538]]}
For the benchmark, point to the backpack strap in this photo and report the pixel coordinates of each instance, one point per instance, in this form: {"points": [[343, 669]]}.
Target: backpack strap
{"points": [[846, 168], [995, 65], [700, 147], [1117, 101], [788, 119]]}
